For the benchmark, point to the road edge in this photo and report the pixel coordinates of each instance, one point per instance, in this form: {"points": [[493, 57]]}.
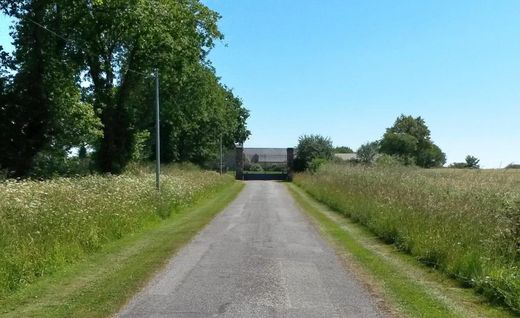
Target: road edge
{"points": [[103, 283], [416, 291]]}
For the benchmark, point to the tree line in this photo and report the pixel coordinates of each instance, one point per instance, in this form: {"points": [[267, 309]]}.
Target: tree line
{"points": [[406, 142], [81, 77]]}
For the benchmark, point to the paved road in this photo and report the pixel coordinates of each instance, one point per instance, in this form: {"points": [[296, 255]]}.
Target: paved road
{"points": [[259, 258]]}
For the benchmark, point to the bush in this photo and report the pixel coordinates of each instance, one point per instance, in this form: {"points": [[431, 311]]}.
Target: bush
{"points": [[385, 160], [49, 164], [256, 167], [311, 147], [316, 163], [367, 153]]}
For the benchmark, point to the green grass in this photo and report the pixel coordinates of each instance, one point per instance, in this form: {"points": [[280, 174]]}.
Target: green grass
{"points": [[409, 289], [465, 223], [47, 225], [101, 283]]}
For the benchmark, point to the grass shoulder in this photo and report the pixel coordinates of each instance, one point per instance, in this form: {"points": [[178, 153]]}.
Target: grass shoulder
{"points": [[104, 281], [408, 287]]}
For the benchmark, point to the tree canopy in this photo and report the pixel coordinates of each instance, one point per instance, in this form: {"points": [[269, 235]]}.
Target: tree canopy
{"points": [[367, 152], [343, 149], [82, 76], [471, 162], [409, 139], [311, 147]]}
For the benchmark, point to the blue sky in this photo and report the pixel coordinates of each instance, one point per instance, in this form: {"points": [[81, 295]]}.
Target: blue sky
{"points": [[346, 69]]}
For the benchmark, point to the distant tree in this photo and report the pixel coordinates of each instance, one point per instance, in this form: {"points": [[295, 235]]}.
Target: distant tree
{"points": [[343, 149], [430, 156], [458, 165], [409, 139], [367, 153], [312, 147], [513, 166], [472, 162]]}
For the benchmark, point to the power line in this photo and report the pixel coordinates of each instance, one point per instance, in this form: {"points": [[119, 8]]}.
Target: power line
{"points": [[71, 42], [48, 30]]}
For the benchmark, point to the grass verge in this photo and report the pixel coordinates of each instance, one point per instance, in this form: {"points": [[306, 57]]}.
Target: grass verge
{"points": [[409, 288], [103, 282]]}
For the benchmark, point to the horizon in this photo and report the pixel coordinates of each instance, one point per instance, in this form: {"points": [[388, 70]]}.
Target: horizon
{"points": [[346, 70]]}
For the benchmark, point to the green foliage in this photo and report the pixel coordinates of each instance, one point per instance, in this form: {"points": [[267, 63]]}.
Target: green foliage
{"points": [[112, 48], [316, 163], [199, 110], [311, 147], [430, 156], [470, 163], [256, 167], [45, 225], [385, 160], [367, 152], [409, 138], [56, 163], [462, 222], [141, 150], [343, 149]]}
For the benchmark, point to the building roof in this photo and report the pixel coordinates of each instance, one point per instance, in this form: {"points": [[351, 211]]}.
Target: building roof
{"points": [[272, 155], [346, 156]]}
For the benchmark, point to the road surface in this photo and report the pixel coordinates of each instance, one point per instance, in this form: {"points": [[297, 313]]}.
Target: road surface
{"points": [[260, 257]]}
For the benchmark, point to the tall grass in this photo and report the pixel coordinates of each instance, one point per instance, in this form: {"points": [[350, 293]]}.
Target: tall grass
{"points": [[47, 224], [463, 222]]}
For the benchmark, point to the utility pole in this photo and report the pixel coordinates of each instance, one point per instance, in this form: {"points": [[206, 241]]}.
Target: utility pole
{"points": [[157, 134], [221, 155]]}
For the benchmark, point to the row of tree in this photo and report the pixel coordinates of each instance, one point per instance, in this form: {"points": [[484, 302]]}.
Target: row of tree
{"points": [[407, 142], [81, 77]]}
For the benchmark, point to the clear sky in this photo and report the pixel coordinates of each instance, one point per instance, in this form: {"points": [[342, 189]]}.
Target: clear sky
{"points": [[346, 69]]}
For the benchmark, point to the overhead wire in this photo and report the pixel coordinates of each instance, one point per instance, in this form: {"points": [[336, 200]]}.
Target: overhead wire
{"points": [[71, 42]]}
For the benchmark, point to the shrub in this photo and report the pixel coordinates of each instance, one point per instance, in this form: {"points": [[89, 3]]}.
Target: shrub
{"points": [[316, 163], [367, 152], [311, 147], [256, 167], [385, 160]]}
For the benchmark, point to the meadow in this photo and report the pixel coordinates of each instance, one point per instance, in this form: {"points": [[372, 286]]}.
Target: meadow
{"points": [[45, 225], [465, 223]]}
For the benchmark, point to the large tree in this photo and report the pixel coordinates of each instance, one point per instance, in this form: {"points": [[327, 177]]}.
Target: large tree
{"points": [[198, 112], [409, 139], [76, 60], [121, 42], [39, 87]]}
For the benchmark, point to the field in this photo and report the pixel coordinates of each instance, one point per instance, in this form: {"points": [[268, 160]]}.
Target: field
{"points": [[45, 225], [465, 223]]}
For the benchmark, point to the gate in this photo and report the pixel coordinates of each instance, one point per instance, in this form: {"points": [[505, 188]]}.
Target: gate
{"points": [[264, 163]]}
